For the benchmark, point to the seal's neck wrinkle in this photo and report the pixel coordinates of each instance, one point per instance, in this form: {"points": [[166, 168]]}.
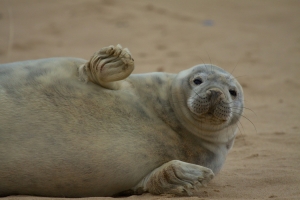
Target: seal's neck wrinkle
{"points": [[161, 103], [156, 91]]}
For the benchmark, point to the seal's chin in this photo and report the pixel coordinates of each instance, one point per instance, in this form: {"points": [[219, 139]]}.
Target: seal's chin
{"points": [[215, 117]]}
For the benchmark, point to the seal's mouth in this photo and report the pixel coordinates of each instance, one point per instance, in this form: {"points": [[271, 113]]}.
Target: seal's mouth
{"points": [[211, 106], [212, 115]]}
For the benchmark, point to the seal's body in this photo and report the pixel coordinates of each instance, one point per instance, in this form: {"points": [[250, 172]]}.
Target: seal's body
{"points": [[73, 128]]}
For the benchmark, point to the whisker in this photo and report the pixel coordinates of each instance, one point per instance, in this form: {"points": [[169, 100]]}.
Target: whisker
{"points": [[246, 109], [247, 119], [211, 68], [231, 73], [203, 63], [239, 127], [236, 77]]}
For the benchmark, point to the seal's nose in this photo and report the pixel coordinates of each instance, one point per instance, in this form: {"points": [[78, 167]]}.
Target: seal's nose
{"points": [[215, 92], [214, 95]]}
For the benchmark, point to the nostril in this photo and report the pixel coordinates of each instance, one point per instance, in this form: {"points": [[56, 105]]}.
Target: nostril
{"points": [[214, 95], [215, 92], [208, 92]]}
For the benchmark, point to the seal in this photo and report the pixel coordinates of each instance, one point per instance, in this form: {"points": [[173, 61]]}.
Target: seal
{"points": [[77, 128]]}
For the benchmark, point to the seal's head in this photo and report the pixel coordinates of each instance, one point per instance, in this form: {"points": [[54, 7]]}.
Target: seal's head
{"points": [[207, 98]]}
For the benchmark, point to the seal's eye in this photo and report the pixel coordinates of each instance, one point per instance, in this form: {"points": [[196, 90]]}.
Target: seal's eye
{"points": [[233, 93], [197, 81]]}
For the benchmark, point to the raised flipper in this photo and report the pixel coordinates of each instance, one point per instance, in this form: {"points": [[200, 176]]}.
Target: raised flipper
{"points": [[107, 67]]}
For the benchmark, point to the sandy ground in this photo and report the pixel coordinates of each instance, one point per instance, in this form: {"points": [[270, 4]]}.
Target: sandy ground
{"points": [[258, 41]]}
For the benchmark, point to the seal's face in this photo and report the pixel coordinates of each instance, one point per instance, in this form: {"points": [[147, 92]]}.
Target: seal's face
{"points": [[215, 96], [214, 99]]}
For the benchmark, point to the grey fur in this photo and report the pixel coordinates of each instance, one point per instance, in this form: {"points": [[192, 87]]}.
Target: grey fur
{"points": [[66, 132]]}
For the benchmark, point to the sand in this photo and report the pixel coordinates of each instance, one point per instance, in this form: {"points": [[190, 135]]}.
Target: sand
{"points": [[258, 41]]}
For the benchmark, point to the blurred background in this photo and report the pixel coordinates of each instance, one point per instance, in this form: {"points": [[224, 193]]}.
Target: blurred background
{"points": [[258, 41], [162, 34]]}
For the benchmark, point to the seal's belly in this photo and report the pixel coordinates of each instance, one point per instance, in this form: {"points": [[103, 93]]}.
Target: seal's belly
{"points": [[58, 132]]}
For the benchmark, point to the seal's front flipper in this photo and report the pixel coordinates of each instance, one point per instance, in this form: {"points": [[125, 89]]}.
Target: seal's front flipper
{"points": [[107, 66], [175, 177]]}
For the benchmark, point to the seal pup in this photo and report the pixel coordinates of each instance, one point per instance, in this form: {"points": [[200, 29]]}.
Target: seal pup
{"points": [[76, 128]]}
